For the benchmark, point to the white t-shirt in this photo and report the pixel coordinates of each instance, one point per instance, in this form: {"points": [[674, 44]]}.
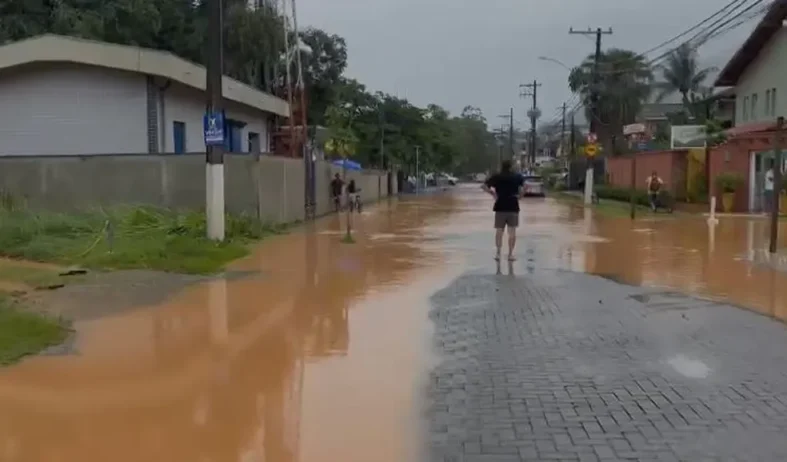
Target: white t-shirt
{"points": [[769, 180]]}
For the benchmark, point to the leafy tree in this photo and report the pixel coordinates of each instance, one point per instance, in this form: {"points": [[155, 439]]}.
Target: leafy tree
{"points": [[624, 86], [324, 61], [681, 73]]}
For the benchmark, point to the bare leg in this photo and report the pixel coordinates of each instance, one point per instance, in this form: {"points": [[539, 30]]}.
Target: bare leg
{"points": [[511, 242], [498, 241]]}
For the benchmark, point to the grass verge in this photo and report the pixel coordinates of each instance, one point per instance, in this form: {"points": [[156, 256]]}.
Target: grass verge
{"points": [[127, 238], [606, 206], [23, 333]]}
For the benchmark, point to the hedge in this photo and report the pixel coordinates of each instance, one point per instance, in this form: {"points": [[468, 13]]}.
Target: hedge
{"points": [[616, 193]]}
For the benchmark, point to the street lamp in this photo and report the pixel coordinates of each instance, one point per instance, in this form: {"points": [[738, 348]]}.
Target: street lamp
{"points": [[556, 61]]}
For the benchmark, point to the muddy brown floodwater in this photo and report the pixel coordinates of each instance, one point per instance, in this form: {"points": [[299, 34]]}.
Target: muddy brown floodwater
{"points": [[321, 352]]}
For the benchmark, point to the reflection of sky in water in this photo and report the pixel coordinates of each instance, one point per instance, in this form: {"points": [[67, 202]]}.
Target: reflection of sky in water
{"points": [[349, 264]]}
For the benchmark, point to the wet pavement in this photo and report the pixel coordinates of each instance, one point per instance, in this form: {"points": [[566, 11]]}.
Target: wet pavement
{"points": [[314, 350]]}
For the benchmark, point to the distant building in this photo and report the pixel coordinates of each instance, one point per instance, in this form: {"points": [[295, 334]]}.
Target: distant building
{"points": [[69, 96]]}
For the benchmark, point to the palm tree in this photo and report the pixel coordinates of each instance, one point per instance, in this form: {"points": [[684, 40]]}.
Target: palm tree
{"points": [[624, 86], [681, 73]]}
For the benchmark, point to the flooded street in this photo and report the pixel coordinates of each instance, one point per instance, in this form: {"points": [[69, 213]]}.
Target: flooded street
{"points": [[311, 350]]}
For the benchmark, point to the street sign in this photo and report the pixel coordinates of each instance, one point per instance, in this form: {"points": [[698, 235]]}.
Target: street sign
{"points": [[213, 127], [591, 150]]}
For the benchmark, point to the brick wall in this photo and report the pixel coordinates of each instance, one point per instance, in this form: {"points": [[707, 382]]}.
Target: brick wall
{"points": [[670, 165]]}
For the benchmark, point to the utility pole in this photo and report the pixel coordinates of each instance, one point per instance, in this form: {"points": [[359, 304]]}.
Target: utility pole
{"points": [[213, 124], [777, 181], [572, 138], [533, 114], [594, 99], [563, 132], [417, 169], [510, 117], [511, 133]]}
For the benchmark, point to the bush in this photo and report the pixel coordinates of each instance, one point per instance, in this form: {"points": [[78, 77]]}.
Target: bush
{"points": [[729, 182], [616, 193]]}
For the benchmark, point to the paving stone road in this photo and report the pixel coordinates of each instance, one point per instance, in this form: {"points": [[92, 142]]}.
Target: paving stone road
{"points": [[565, 366]]}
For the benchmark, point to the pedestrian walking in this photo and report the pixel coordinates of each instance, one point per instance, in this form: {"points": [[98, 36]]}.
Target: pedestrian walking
{"points": [[506, 188]]}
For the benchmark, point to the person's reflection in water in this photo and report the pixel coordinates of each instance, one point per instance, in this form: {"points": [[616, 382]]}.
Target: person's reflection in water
{"points": [[499, 271]]}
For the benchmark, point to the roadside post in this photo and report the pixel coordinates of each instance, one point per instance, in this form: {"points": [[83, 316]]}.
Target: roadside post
{"points": [[591, 149], [777, 183]]}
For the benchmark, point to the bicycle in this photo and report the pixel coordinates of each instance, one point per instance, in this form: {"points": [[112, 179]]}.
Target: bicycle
{"points": [[356, 203]]}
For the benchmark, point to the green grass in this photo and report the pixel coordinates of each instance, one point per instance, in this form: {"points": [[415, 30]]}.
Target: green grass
{"points": [[126, 238], [606, 206], [23, 333]]}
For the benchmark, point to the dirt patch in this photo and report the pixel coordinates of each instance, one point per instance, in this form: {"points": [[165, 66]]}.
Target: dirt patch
{"points": [[105, 294]]}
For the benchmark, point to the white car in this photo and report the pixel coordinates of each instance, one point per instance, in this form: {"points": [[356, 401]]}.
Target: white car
{"points": [[450, 179], [534, 186]]}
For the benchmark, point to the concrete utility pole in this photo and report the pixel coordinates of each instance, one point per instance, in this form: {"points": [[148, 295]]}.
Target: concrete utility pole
{"points": [[417, 169], [563, 131], [510, 117], [777, 182], [511, 133], [214, 124], [594, 99], [533, 113]]}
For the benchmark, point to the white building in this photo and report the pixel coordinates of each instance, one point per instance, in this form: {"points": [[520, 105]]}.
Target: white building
{"points": [[69, 96]]}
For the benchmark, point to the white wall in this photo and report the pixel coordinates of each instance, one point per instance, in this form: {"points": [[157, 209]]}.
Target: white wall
{"points": [[183, 104], [70, 109], [767, 71]]}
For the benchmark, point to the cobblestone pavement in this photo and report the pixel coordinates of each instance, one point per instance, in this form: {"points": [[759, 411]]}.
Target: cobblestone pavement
{"points": [[555, 365]]}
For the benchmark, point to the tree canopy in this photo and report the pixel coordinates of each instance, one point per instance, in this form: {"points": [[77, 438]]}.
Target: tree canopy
{"points": [[382, 129]]}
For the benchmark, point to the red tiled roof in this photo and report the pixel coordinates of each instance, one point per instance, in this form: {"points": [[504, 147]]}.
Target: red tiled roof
{"points": [[748, 129], [770, 24]]}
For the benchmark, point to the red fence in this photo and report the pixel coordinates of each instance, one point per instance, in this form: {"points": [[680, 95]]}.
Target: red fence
{"points": [[671, 166]]}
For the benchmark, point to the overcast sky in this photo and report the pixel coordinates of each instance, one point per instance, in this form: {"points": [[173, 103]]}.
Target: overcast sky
{"points": [[476, 52]]}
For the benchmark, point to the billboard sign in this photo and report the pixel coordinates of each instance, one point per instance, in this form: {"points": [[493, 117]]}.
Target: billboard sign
{"points": [[688, 136]]}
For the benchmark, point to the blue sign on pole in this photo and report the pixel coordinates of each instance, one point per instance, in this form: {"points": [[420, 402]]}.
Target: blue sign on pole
{"points": [[213, 126]]}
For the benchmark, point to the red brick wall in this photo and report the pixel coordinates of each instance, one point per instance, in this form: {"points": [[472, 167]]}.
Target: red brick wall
{"points": [[670, 165], [734, 156]]}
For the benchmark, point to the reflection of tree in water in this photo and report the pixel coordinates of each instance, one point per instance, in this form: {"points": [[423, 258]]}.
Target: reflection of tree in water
{"points": [[239, 410]]}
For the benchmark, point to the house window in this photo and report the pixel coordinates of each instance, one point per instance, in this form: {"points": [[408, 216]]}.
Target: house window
{"points": [[233, 129], [745, 108], [773, 101], [179, 137], [254, 142], [753, 110], [767, 102]]}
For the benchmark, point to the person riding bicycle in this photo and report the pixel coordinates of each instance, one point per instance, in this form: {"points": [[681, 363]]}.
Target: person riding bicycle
{"points": [[654, 189], [336, 191], [354, 194]]}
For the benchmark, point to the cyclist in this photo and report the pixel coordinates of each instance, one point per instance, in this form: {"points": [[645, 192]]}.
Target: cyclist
{"points": [[336, 192], [654, 189]]}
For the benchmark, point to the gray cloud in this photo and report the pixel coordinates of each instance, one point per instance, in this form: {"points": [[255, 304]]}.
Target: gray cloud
{"points": [[460, 52]]}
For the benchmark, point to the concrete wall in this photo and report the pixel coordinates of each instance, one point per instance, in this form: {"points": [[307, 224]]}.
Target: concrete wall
{"points": [[178, 103], [270, 187], [765, 73]]}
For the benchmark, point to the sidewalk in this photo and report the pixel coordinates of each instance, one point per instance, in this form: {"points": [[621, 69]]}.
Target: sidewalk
{"points": [[567, 366]]}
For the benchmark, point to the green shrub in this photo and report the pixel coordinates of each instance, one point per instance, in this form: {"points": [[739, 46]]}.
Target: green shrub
{"points": [[617, 193], [729, 182]]}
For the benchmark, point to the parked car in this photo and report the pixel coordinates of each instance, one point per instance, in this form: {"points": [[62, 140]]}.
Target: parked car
{"points": [[534, 186], [445, 178]]}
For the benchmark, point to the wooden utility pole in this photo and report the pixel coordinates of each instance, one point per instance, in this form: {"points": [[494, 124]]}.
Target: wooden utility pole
{"points": [[594, 102], [777, 184]]}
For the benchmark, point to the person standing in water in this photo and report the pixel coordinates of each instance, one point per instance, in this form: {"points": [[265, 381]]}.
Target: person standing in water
{"points": [[506, 188]]}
